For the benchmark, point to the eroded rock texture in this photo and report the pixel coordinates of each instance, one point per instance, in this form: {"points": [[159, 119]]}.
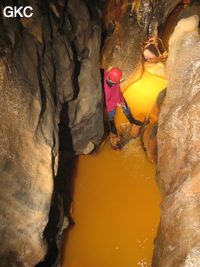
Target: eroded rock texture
{"points": [[149, 131], [192, 9], [178, 169], [128, 24], [46, 61]]}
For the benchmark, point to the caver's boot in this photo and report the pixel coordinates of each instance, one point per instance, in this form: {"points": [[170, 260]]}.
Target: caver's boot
{"points": [[113, 129], [132, 120], [114, 137]]}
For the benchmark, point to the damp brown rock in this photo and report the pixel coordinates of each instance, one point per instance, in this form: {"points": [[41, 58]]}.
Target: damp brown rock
{"points": [[128, 25], [149, 130]]}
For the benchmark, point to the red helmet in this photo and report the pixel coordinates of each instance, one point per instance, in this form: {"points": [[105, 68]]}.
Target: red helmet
{"points": [[114, 74]]}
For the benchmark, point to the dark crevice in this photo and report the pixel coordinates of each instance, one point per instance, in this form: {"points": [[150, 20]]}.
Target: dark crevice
{"points": [[76, 72], [65, 137]]}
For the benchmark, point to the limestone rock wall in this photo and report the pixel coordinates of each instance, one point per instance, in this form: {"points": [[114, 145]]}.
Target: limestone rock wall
{"points": [[45, 62], [178, 169]]}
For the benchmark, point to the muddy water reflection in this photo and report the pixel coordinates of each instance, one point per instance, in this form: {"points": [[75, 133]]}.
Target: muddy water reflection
{"points": [[116, 199]]}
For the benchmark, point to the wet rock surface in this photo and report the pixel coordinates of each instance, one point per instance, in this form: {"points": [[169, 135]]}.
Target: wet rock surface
{"points": [[178, 171], [192, 9], [128, 25], [149, 130], [49, 63]]}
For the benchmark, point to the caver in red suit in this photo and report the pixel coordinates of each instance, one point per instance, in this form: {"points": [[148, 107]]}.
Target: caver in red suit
{"points": [[114, 97]]}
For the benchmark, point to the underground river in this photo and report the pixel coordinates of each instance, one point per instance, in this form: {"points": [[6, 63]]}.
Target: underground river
{"points": [[116, 199]]}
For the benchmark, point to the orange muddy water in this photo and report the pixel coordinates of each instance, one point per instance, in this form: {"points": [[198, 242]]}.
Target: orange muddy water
{"points": [[116, 199]]}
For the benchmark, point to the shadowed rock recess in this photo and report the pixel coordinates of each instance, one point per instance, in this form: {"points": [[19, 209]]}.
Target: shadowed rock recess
{"points": [[178, 168], [48, 63]]}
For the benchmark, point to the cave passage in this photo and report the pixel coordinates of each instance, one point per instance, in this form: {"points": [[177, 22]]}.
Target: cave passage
{"points": [[116, 199]]}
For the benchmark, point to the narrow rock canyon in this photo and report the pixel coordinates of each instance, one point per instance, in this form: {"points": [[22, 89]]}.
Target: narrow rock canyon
{"points": [[52, 110]]}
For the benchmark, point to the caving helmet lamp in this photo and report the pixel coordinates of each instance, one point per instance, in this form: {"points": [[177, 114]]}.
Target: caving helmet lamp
{"points": [[114, 74]]}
